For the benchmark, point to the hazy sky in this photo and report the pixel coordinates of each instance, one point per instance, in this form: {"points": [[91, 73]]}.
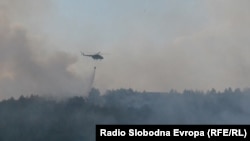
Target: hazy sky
{"points": [[147, 45]]}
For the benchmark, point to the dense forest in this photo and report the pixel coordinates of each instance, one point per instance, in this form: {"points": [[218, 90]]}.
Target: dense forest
{"points": [[38, 118]]}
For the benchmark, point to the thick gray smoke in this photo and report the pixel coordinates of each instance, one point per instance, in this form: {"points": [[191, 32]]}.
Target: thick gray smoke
{"points": [[27, 66], [200, 47]]}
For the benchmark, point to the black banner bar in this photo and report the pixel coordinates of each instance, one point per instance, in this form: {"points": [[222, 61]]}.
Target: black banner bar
{"points": [[164, 132]]}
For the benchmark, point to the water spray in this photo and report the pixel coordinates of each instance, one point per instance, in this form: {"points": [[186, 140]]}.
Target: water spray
{"points": [[92, 80]]}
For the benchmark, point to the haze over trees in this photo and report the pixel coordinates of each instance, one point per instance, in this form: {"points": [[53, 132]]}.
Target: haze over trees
{"points": [[39, 118]]}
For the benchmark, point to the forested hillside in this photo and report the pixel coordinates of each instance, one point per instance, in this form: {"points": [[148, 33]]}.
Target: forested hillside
{"points": [[36, 118]]}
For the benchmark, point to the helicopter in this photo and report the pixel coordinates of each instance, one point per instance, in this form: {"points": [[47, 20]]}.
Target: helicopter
{"points": [[94, 56]]}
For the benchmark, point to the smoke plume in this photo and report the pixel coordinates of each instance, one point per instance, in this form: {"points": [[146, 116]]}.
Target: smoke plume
{"points": [[26, 64]]}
